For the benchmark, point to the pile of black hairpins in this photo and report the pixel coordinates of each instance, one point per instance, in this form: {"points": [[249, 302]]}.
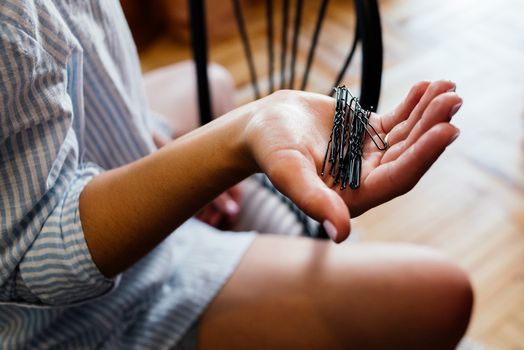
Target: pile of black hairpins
{"points": [[344, 150]]}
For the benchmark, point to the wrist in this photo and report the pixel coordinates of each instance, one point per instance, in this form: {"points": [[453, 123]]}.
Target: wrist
{"points": [[240, 137]]}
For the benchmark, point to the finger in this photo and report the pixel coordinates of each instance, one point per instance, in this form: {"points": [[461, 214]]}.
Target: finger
{"points": [[401, 131], [210, 215], [404, 109], [398, 177], [226, 204], [159, 140], [440, 110], [215, 218], [236, 193], [297, 178], [205, 213]]}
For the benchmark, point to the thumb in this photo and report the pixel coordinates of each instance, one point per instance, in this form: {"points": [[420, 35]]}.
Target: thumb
{"points": [[299, 181]]}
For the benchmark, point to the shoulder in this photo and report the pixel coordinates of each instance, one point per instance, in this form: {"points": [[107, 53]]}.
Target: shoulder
{"points": [[20, 15], [31, 26], [34, 56]]}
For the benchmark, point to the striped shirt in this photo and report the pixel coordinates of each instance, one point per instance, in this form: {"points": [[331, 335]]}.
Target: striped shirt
{"points": [[72, 106]]}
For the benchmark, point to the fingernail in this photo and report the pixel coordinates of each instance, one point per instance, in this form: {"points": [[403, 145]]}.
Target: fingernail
{"points": [[232, 208], [331, 230], [454, 137], [453, 89], [455, 109]]}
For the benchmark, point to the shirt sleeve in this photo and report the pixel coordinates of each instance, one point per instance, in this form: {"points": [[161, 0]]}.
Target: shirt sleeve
{"points": [[44, 258]]}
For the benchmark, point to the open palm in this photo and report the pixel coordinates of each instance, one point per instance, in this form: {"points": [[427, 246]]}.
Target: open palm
{"points": [[418, 131]]}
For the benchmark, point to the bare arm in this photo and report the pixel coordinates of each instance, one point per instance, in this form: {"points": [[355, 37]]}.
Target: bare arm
{"points": [[127, 211]]}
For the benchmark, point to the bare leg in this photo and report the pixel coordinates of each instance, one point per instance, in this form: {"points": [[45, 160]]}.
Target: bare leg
{"points": [[296, 293], [171, 92], [291, 293]]}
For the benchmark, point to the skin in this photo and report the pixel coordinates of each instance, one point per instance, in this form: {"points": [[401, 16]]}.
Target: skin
{"points": [[308, 294], [315, 295], [176, 104]]}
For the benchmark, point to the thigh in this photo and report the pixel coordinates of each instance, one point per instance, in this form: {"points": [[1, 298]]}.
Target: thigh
{"points": [[297, 293]]}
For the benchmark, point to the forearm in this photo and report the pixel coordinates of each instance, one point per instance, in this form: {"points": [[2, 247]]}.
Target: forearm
{"points": [[127, 211]]}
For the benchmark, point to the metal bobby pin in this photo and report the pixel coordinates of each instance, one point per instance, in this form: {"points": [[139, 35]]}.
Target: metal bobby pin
{"points": [[345, 146]]}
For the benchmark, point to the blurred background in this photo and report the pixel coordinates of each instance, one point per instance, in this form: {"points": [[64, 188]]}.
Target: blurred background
{"points": [[471, 203]]}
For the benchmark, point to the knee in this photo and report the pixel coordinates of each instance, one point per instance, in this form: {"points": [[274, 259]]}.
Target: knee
{"points": [[222, 87], [220, 76], [437, 297], [411, 297], [449, 302]]}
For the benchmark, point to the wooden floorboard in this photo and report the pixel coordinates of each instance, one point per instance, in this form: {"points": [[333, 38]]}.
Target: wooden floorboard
{"points": [[471, 204]]}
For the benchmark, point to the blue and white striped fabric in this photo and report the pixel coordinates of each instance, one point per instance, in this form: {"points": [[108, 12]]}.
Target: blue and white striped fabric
{"points": [[72, 105]]}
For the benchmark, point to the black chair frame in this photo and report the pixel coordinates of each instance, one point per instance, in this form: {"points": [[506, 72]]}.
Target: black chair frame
{"points": [[368, 33]]}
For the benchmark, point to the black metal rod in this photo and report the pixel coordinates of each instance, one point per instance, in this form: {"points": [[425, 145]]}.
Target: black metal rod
{"points": [[372, 52], [349, 57], [296, 35], [312, 48], [270, 51], [247, 47], [199, 48], [283, 51]]}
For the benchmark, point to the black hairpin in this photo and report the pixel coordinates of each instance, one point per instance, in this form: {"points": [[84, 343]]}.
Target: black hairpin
{"points": [[344, 150]]}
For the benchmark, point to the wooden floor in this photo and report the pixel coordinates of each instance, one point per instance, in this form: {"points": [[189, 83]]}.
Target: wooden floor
{"points": [[471, 204]]}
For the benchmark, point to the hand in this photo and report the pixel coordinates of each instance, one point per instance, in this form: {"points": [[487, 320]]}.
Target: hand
{"points": [[289, 134], [223, 211]]}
